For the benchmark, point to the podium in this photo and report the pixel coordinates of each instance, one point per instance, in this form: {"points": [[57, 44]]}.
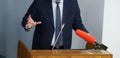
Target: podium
{"points": [[24, 52]]}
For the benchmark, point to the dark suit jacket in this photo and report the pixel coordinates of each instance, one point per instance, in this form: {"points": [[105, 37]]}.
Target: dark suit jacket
{"points": [[41, 10]]}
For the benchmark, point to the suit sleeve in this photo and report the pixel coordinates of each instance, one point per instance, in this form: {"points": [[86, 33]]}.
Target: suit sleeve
{"points": [[77, 24], [31, 11]]}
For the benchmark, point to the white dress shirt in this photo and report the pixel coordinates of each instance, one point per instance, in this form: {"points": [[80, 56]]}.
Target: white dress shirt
{"points": [[54, 16]]}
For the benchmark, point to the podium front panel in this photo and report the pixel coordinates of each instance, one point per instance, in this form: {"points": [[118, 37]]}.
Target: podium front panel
{"points": [[70, 54]]}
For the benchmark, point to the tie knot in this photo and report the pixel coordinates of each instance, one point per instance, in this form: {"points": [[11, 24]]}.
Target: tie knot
{"points": [[57, 1]]}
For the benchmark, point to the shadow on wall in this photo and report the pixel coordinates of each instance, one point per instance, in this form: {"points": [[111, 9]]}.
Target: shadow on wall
{"points": [[2, 56], [2, 45]]}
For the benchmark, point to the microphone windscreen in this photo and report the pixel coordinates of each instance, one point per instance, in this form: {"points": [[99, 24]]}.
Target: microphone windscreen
{"points": [[87, 37]]}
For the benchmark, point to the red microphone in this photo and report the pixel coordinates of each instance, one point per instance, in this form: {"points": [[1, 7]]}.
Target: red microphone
{"points": [[91, 39], [87, 37]]}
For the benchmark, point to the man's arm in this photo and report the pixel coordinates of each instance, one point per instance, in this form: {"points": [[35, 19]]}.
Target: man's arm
{"points": [[32, 12], [77, 18]]}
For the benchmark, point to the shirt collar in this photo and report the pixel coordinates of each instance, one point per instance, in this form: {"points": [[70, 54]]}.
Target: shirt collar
{"points": [[61, 1]]}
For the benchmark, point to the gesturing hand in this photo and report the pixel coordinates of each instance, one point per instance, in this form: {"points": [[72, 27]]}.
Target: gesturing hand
{"points": [[31, 23]]}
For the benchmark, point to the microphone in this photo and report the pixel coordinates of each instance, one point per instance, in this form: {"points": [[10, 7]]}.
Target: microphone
{"points": [[58, 36], [90, 39]]}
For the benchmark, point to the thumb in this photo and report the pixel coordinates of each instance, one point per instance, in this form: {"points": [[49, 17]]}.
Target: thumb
{"points": [[38, 22], [30, 18]]}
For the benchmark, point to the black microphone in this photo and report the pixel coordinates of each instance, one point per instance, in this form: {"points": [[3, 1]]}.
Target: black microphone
{"points": [[58, 36], [100, 46]]}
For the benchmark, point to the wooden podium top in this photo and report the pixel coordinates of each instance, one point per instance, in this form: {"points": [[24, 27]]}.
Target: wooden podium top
{"points": [[69, 52]]}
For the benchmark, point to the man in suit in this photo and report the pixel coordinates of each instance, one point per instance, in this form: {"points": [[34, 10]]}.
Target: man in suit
{"points": [[42, 15]]}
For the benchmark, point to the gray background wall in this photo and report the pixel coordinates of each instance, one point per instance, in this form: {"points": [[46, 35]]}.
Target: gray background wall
{"points": [[12, 11], [2, 32]]}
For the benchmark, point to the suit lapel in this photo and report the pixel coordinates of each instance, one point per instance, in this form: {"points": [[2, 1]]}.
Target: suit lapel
{"points": [[49, 11], [65, 10]]}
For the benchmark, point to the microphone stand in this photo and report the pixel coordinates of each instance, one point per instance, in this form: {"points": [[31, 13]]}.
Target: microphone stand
{"points": [[58, 36]]}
